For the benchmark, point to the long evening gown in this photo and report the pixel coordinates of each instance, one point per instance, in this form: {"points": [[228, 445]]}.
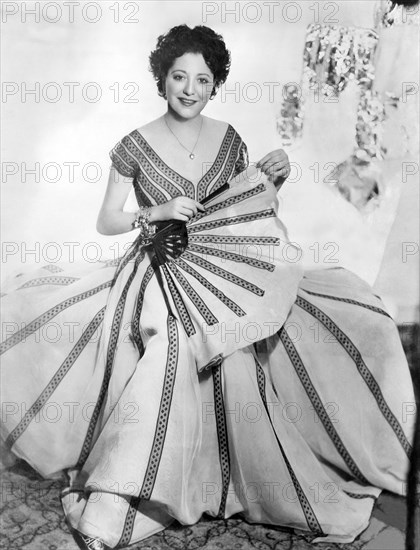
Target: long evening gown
{"points": [[216, 382]]}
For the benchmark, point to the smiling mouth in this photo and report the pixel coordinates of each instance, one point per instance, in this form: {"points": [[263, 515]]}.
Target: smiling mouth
{"points": [[187, 102]]}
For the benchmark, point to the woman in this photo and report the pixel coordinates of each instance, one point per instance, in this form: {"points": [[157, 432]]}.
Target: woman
{"points": [[185, 417]]}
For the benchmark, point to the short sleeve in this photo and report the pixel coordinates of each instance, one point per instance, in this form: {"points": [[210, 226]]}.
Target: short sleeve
{"points": [[242, 161], [123, 157]]}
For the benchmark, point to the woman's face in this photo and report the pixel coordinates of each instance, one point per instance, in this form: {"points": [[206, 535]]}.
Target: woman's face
{"points": [[188, 85]]}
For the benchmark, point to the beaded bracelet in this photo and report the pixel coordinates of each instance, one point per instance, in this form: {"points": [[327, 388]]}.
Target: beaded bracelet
{"points": [[141, 221]]}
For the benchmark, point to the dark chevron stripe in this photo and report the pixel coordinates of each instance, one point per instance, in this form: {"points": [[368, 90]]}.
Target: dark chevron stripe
{"points": [[233, 239], [361, 366], [128, 257], [112, 345], [228, 202], [37, 323], [230, 256], [311, 519], [218, 293], [139, 306], [204, 311], [164, 410], [160, 433], [184, 315], [359, 496], [349, 301], [318, 406], [220, 272], [222, 437], [224, 165], [53, 268], [57, 280], [57, 378], [244, 218]]}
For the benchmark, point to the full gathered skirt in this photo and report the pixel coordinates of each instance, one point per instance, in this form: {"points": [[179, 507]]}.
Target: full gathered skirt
{"points": [[302, 429]]}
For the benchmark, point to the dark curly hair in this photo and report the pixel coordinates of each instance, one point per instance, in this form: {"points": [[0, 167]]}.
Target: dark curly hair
{"points": [[182, 39]]}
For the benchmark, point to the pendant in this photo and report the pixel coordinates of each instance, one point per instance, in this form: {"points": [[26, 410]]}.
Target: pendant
{"points": [[192, 156]]}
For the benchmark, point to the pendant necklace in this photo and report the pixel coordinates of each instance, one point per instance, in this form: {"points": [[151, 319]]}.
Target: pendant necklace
{"points": [[191, 153]]}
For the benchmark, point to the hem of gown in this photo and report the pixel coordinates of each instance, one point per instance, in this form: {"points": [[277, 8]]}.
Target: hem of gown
{"points": [[94, 533], [330, 538], [345, 538]]}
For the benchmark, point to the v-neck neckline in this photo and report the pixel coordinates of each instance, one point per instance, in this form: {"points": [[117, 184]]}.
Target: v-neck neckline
{"points": [[195, 185]]}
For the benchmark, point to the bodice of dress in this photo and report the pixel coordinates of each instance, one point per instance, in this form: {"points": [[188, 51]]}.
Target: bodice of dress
{"points": [[155, 182]]}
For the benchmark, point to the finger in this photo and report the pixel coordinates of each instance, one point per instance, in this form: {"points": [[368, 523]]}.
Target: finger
{"points": [[279, 176], [272, 171], [278, 163], [283, 174], [270, 166], [278, 171], [192, 205], [265, 159], [273, 157], [187, 211], [280, 167], [181, 217]]}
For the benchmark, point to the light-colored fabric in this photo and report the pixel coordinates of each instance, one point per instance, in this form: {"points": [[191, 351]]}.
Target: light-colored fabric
{"points": [[302, 430]]}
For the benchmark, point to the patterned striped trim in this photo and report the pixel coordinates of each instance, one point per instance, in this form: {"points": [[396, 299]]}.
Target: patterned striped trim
{"points": [[361, 366], [155, 181], [139, 306], [157, 186], [201, 307], [127, 530], [37, 323], [151, 190], [160, 433], [164, 410], [231, 256], [112, 263], [222, 437], [218, 293], [64, 281], [179, 303], [228, 202], [233, 240], [223, 166], [227, 275], [349, 301], [128, 257], [156, 175], [112, 346], [57, 378], [53, 268], [310, 517], [124, 159], [243, 218], [318, 406], [359, 496], [158, 164]]}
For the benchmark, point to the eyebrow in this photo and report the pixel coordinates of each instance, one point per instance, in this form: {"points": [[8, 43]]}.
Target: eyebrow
{"points": [[182, 71]]}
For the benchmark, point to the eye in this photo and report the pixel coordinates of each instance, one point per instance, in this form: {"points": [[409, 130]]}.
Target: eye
{"points": [[178, 76], [203, 80]]}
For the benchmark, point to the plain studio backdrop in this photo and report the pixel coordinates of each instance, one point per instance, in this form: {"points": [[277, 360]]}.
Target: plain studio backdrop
{"points": [[76, 80]]}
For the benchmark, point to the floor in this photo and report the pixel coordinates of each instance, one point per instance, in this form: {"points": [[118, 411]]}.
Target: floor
{"points": [[32, 517]]}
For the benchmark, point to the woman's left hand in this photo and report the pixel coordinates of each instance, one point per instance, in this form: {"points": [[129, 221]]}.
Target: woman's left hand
{"points": [[275, 166]]}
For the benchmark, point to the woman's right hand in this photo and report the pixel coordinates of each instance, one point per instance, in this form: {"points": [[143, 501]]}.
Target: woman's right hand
{"points": [[179, 208]]}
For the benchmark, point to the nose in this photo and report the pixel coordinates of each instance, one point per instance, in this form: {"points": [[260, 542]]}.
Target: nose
{"points": [[189, 87]]}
